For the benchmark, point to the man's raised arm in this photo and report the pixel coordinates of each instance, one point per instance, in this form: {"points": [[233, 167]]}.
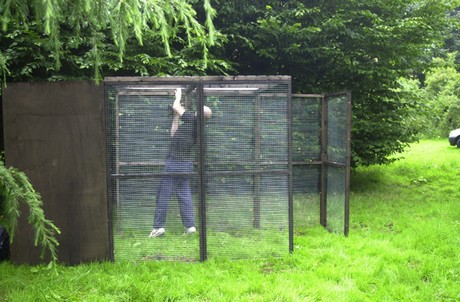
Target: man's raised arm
{"points": [[178, 111]]}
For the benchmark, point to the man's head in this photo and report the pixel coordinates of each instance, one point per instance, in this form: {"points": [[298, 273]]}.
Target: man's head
{"points": [[207, 112]]}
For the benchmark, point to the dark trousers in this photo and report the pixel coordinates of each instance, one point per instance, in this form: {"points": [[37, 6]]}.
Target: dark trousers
{"points": [[179, 183]]}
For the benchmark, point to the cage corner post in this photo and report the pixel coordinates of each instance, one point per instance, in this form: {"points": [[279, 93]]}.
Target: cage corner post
{"points": [[348, 165], [110, 194], [290, 173], [201, 173], [323, 173]]}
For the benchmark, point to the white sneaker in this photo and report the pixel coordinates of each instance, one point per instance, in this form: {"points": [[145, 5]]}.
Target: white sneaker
{"points": [[190, 230], [157, 232]]}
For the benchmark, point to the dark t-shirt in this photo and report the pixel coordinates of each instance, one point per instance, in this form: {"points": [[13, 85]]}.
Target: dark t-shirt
{"points": [[184, 138]]}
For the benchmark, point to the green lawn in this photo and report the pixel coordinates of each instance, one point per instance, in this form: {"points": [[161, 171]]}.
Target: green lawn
{"points": [[404, 245]]}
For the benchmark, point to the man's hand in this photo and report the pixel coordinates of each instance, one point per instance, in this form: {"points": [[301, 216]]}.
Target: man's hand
{"points": [[178, 93], [177, 106]]}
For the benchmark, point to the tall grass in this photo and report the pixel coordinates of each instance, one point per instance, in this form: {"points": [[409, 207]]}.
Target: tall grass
{"points": [[404, 245]]}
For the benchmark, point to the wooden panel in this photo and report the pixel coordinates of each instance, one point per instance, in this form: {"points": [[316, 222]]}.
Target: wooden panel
{"points": [[55, 133]]}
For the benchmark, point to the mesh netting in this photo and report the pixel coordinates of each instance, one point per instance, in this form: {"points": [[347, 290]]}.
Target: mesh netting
{"points": [[306, 159], [247, 169], [337, 165], [320, 136], [243, 201], [239, 170]]}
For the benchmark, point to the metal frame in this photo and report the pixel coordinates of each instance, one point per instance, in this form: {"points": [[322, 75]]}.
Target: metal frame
{"points": [[345, 165], [202, 173], [348, 163], [325, 163], [200, 83]]}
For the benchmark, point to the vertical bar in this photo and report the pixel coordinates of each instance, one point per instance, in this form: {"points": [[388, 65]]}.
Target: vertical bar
{"points": [[201, 172], [117, 160], [323, 202], [256, 188], [105, 111], [290, 193], [348, 163]]}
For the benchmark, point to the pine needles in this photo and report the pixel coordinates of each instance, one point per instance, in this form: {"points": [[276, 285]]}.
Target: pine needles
{"points": [[15, 187], [117, 19]]}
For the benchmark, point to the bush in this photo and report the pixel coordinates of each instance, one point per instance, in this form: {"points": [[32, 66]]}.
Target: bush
{"points": [[442, 93]]}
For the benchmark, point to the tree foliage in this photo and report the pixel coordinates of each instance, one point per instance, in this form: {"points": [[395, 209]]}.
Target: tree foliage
{"points": [[362, 46], [326, 46], [15, 187], [440, 95], [77, 39]]}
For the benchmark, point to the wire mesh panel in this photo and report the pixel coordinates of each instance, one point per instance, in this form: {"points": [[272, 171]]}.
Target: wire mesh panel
{"points": [[140, 120], [235, 185], [306, 159], [338, 160], [238, 170], [247, 169]]}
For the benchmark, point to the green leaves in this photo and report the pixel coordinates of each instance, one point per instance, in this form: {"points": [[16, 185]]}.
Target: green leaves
{"points": [[335, 45], [77, 35], [15, 187], [441, 94]]}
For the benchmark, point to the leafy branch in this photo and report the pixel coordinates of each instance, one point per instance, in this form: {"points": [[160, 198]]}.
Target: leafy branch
{"points": [[110, 22], [15, 187]]}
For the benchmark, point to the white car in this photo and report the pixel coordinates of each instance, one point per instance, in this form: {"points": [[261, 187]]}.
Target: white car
{"points": [[454, 138]]}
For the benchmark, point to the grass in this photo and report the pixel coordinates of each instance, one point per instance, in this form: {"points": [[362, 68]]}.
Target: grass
{"points": [[404, 245], [252, 243], [232, 236]]}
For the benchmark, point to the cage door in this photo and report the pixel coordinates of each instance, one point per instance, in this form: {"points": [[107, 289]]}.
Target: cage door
{"points": [[337, 126]]}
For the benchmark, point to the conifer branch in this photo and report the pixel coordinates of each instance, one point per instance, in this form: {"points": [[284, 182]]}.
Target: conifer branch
{"points": [[15, 187]]}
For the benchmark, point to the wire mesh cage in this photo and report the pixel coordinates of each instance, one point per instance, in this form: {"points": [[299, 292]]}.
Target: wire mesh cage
{"points": [[336, 163], [306, 159], [234, 184], [321, 126]]}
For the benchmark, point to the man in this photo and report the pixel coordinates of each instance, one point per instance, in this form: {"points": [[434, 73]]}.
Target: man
{"points": [[180, 161]]}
